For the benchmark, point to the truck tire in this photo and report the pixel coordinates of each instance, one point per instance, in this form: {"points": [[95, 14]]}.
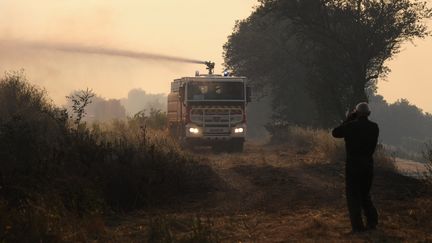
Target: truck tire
{"points": [[237, 146], [172, 129], [185, 144]]}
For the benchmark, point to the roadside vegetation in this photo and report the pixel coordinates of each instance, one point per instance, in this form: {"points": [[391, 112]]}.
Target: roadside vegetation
{"points": [[290, 190], [428, 156], [62, 180], [321, 143], [312, 61], [57, 173], [317, 59]]}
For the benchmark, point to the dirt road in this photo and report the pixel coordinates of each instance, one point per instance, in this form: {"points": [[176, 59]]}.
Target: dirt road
{"points": [[278, 194], [411, 168]]}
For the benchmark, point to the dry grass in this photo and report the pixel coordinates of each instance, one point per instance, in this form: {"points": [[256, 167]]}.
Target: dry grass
{"points": [[123, 182], [54, 173], [321, 143], [310, 140], [275, 194], [281, 193], [428, 157]]}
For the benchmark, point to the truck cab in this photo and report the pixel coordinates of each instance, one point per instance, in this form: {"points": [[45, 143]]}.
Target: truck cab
{"points": [[209, 110]]}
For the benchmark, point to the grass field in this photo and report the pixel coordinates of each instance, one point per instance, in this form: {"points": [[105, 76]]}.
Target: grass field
{"points": [[62, 180], [280, 194]]}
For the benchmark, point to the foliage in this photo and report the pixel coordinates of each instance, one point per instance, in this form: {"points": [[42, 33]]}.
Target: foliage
{"points": [[262, 49], [138, 105], [334, 50], [49, 169], [103, 110], [80, 100], [97, 109], [309, 140], [163, 229], [402, 125], [428, 156], [139, 100], [320, 142], [155, 119], [404, 128]]}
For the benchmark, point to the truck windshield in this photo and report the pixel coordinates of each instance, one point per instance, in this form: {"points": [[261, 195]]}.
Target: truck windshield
{"points": [[201, 91]]}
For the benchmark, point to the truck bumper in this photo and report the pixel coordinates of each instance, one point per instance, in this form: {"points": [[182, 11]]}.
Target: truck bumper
{"points": [[211, 140], [215, 133]]}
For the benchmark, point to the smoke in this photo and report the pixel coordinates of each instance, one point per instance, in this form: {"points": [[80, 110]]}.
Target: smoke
{"points": [[74, 48]]}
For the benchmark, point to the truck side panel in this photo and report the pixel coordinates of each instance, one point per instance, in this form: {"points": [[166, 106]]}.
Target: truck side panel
{"points": [[173, 108], [176, 114]]}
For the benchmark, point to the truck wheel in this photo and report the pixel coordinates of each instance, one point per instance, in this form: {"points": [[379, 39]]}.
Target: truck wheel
{"points": [[240, 147], [237, 146], [187, 145], [172, 131]]}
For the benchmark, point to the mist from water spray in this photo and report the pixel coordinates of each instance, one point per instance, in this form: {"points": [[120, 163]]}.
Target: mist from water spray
{"points": [[74, 48]]}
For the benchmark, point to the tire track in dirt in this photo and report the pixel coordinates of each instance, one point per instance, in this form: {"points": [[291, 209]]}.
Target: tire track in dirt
{"points": [[277, 194], [266, 178]]}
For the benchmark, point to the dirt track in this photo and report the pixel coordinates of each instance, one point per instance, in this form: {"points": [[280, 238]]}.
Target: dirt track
{"points": [[275, 194]]}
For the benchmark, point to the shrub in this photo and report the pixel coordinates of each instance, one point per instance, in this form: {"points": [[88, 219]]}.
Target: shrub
{"points": [[165, 229], [321, 142], [384, 159], [51, 167], [155, 119], [428, 157], [308, 140]]}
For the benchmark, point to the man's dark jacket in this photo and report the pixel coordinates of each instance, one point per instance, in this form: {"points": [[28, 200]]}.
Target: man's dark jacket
{"points": [[361, 138]]}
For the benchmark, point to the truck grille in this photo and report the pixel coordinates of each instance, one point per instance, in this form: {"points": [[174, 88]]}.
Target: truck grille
{"points": [[216, 117]]}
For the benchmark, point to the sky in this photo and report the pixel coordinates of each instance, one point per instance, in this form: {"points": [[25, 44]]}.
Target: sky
{"points": [[194, 29]]}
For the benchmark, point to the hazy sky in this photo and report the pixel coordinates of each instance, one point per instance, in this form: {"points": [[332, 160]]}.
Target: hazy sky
{"points": [[188, 28]]}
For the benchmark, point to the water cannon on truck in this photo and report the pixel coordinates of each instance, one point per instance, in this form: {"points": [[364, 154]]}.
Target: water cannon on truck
{"points": [[209, 110], [210, 67]]}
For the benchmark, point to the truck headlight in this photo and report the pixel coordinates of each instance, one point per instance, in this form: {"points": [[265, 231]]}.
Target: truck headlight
{"points": [[194, 130], [239, 130]]}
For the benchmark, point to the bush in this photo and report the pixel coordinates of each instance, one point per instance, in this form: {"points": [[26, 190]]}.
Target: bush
{"points": [[165, 229], [428, 157], [384, 159], [307, 140], [146, 167], [321, 142], [156, 119], [51, 167]]}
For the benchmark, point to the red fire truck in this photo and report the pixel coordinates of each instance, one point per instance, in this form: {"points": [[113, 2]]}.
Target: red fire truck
{"points": [[209, 110]]}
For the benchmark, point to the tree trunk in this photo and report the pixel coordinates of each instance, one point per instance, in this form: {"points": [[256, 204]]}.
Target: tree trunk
{"points": [[359, 93]]}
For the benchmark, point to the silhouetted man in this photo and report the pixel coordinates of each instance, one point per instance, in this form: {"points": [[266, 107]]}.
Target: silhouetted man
{"points": [[361, 137]]}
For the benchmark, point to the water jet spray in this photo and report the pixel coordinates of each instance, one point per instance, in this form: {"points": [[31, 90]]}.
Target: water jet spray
{"points": [[74, 48]]}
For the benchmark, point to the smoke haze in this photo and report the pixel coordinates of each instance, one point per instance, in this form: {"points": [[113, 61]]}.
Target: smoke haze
{"points": [[193, 28], [173, 27], [73, 48]]}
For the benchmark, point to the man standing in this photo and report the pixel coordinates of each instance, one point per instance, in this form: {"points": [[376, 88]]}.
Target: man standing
{"points": [[361, 137]]}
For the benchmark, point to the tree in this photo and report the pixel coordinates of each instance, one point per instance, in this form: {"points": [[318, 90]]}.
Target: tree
{"points": [[80, 100], [341, 44], [139, 100], [103, 110], [401, 120], [262, 49], [89, 107]]}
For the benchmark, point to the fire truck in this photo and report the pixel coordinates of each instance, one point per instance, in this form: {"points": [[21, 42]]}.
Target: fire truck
{"points": [[209, 110]]}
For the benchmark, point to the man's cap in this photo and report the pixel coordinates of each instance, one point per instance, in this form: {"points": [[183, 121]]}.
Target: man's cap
{"points": [[363, 109]]}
